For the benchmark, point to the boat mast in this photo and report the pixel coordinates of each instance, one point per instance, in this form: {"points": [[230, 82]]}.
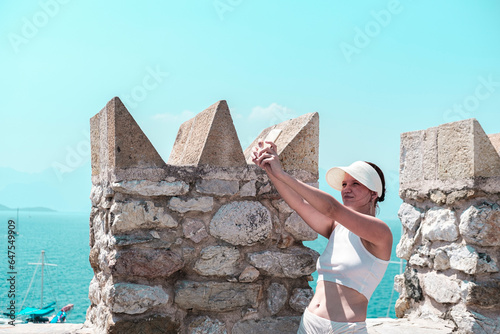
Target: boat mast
{"points": [[43, 264], [41, 299]]}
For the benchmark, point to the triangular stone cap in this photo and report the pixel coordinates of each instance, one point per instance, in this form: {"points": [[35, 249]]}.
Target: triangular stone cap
{"points": [[209, 138], [298, 143], [465, 151], [495, 141], [117, 141]]}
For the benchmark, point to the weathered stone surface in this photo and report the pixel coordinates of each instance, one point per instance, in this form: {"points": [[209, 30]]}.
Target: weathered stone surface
{"points": [[218, 261], [248, 189], [217, 187], [249, 275], [470, 322], [466, 259], [412, 290], [479, 225], [118, 142], [299, 229], [147, 325], [242, 223], [203, 204], [495, 141], [208, 139], [147, 263], [300, 299], [465, 151], [213, 296], [410, 217], [137, 298], [206, 325], [194, 229], [277, 296], [441, 260], [297, 144], [292, 263], [440, 224], [410, 162], [132, 216], [404, 249], [484, 295], [149, 188], [282, 325], [420, 260], [441, 288], [282, 206]]}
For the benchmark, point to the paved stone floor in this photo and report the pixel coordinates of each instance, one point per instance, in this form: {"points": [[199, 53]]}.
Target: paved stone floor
{"points": [[375, 326]]}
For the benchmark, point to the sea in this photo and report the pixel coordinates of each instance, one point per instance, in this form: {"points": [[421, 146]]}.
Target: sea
{"points": [[64, 238]]}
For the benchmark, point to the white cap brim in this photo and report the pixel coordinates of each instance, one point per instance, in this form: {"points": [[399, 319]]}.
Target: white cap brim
{"points": [[361, 171]]}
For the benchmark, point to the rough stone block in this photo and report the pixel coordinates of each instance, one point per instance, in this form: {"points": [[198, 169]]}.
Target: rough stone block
{"points": [[410, 217], [218, 261], [299, 229], [484, 295], [208, 139], [411, 166], [430, 154], [282, 325], [117, 141], [217, 187], [277, 296], [298, 143], [206, 325], [465, 151], [495, 141], [480, 225], [242, 223], [132, 216], [149, 188], [249, 275], [138, 298], [440, 224], [441, 288], [147, 263], [147, 325], [468, 260], [194, 229], [203, 204], [213, 296], [292, 263]]}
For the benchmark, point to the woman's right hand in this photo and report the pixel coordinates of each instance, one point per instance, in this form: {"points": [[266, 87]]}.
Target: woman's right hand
{"points": [[266, 157]]}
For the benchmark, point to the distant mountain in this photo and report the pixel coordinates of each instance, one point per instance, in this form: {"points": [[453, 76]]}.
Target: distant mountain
{"points": [[39, 209]]}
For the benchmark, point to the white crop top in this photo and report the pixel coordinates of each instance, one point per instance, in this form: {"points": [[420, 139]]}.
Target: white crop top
{"points": [[346, 261]]}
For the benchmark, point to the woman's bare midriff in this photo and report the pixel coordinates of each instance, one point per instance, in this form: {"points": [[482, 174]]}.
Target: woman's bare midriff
{"points": [[338, 303]]}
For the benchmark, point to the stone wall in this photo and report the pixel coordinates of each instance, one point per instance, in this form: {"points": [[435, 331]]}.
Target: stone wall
{"points": [[202, 244], [450, 184]]}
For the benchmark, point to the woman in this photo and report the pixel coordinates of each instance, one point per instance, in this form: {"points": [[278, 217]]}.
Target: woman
{"points": [[359, 246]]}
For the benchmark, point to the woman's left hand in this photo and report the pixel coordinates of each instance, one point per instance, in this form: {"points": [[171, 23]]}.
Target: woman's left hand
{"points": [[264, 155]]}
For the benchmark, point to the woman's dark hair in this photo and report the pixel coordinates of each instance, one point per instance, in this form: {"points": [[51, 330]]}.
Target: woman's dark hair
{"points": [[379, 171]]}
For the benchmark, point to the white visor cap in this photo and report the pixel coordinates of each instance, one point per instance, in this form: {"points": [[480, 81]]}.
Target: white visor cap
{"points": [[361, 171]]}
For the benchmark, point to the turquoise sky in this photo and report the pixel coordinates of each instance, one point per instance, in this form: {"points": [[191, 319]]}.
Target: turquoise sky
{"points": [[372, 69]]}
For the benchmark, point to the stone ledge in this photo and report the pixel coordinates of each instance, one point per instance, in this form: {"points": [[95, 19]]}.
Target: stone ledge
{"points": [[375, 326], [398, 326]]}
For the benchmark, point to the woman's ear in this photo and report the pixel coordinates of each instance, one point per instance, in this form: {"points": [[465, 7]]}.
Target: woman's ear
{"points": [[374, 195]]}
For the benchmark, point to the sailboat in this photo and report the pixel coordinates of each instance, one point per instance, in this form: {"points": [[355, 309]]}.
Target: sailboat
{"points": [[40, 314]]}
